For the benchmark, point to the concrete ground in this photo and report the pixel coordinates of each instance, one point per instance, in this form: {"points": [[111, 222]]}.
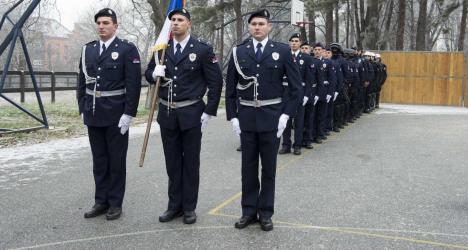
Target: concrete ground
{"points": [[395, 179]]}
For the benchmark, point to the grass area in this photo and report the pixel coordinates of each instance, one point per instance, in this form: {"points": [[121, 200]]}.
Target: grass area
{"points": [[64, 122]]}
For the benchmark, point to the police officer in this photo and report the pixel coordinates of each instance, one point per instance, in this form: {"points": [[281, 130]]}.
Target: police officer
{"points": [[304, 62], [190, 68], [324, 93], [305, 48], [382, 79], [255, 82], [108, 94]]}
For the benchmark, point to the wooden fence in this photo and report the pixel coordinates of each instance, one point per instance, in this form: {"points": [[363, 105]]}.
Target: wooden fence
{"points": [[435, 78]]}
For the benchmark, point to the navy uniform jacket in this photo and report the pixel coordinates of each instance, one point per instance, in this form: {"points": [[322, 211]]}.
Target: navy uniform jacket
{"points": [[329, 75], [275, 63], [361, 70], [306, 70], [117, 68], [196, 71], [317, 74]]}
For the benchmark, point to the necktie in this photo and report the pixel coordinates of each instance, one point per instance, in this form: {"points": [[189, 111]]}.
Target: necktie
{"points": [[258, 54], [103, 48], [178, 53]]}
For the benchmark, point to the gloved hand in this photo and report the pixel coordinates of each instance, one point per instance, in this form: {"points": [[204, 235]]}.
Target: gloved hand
{"points": [[283, 121], [124, 123], [336, 95], [82, 116], [236, 126], [159, 70], [304, 101], [328, 98], [204, 120], [316, 98]]}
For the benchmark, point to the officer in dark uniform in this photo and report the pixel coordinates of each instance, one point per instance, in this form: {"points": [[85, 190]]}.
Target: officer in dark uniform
{"points": [[108, 94], [370, 76], [304, 62], [305, 48], [341, 97], [324, 94], [382, 79], [255, 82], [190, 68]]}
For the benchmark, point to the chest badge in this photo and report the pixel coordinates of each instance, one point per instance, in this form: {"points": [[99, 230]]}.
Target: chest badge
{"points": [[324, 65], [115, 55], [275, 56], [301, 62], [193, 57]]}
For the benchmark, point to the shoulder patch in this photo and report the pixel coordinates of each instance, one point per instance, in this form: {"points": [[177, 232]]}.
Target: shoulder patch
{"points": [[91, 42]]}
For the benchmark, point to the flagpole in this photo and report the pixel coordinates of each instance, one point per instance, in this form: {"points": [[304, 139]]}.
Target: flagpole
{"points": [[154, 96]]}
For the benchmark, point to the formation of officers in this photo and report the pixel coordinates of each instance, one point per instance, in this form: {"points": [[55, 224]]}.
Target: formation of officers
{"points": [[271, 89]]}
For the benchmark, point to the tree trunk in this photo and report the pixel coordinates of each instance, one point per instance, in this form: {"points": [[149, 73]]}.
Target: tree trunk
{"points": [[239, 21], [159, 8], [371, 35], [221, 40], [312, 34], [329, 24], [337, 22], [461, 36], [387, 25], [356, 21], [348, 13], [421, 29], [401, 25]]}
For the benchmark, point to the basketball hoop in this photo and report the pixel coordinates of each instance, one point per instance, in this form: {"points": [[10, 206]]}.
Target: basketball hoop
{"points": [[297, 12]]}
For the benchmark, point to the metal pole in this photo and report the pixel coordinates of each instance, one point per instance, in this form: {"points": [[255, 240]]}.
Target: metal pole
{"points": [[22, 85], [52, 87]]}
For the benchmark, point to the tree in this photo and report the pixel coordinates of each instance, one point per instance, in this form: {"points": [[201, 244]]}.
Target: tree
{"points": [[461, 36], [400, 34], [421, 27]]}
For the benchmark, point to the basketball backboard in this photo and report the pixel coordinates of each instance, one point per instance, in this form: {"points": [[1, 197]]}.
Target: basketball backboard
{"points": [[297, 12]]}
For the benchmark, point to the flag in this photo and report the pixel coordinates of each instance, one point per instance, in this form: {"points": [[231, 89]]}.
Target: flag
{"points": [[164, 35]]}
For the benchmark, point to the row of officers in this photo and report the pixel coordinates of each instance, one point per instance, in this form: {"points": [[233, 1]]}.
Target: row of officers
{"points": [[270, 88]]}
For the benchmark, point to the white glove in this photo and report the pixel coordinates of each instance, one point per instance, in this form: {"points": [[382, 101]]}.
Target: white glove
{"points": [[304, 101], [316, 98], [159, 70], [283, 121], [336, 95], [328, 98], [124, 123], [236, 126], [204, 120], [82, 116]]}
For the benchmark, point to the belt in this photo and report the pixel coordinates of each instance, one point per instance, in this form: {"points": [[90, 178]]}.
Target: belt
{"points": [[260, 103], [181, 104], [98, 94]]}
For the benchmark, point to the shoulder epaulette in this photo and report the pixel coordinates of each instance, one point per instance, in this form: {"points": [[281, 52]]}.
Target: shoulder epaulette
{"points": [[91, 42]]}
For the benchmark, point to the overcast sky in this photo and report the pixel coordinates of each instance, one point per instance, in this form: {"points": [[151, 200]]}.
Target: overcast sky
{"points": [[71, 10]]}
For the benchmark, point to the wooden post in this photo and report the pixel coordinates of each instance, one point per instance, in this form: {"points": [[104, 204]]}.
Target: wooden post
{"points": [[52, 86], [22, 86]]}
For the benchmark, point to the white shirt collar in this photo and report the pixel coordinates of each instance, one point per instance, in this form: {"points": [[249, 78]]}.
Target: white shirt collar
{"points": [[108, 43], [264, 42], [296, 53], [183, 43]]}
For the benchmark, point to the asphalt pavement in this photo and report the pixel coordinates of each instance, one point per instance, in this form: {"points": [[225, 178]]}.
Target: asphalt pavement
{"points": [[395, 179]]}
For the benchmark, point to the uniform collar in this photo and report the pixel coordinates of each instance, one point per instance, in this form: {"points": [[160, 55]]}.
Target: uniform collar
{"points": [[108, 43], [182, 43], [296, 53], [264, 43]]}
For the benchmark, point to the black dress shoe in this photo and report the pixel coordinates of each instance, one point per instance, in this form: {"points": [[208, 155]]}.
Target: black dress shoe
{"points": [[113, 213], [309, 145], [190, 217], [239, 148], [323, 138], [170, 215], [96, 210], [336, 130], [284, 150], [266, 224], [327, 133], [341, 127], [244, 221], [297, 151], [318, 141]]}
